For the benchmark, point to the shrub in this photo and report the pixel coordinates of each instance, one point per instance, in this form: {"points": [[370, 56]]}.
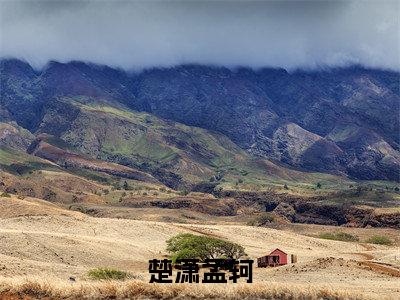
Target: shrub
{"points": [[339, 236], [107, 274], [184, 192], [188, 245], [125, 186], [5, 194], [380, 240], [217, 192], [285, 187], [261, 220], [219, 176]]}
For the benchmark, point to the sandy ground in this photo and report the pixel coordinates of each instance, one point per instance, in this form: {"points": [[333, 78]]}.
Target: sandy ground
{"points": [[49, 241]]}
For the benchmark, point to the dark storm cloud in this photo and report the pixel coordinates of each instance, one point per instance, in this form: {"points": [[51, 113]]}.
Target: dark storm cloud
{"points": [[134, 34]]}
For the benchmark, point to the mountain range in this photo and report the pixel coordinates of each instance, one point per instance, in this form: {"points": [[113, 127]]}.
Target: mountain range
{"points": [[189, 123]]}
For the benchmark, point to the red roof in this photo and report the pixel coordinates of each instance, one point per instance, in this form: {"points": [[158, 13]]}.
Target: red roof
{"points": [[277, 249]]}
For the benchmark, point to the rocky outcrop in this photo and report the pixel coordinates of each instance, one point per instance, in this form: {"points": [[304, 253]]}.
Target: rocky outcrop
{"points": [[285, 210], [14, 136], [317, 210], [195, 202]]}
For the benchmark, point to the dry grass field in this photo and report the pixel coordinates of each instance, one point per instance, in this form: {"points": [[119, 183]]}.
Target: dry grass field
{"points": [[54, 288], [43, 245]]}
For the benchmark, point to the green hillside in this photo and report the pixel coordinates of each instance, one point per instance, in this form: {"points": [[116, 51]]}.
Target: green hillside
{"points": [[176, 154]]}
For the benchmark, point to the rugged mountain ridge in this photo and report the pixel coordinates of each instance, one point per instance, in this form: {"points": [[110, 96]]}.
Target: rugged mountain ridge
{"points": [[342, 121]]}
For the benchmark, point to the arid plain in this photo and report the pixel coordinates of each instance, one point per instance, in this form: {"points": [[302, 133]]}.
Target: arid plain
{"points": [[43, 243]]}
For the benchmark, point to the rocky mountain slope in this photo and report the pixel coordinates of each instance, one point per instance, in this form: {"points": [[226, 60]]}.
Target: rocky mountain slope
{"points": [[341, 121]]}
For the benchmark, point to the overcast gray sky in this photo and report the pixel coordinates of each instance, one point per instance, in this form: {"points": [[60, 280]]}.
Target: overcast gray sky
{"points": [[133, 34]]}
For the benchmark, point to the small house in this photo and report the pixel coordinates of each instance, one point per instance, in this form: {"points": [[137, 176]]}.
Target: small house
{"points": [[274, 259]]}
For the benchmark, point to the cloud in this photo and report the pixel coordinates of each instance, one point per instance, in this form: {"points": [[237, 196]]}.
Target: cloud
{"points": [[134, 34]]}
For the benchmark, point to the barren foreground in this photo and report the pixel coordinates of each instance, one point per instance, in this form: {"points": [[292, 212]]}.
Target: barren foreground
{"points": [[46, 246]]}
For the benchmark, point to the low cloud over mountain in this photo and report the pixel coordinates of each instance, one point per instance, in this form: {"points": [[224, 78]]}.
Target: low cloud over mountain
{"points": [[144, 34]]}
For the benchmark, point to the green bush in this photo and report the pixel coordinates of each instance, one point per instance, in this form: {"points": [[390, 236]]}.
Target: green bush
{"points": [[188, 245], [107, 274], [184, 192], [339, 236], [380, 240], [261, 220], [5, 194]]}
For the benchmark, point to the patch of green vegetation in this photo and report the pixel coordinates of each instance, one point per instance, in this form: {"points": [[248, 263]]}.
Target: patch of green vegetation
{"points": [[115, 111], [5, 194], [19, 163], [83, 103], [184, 192], [261, 220], [186, 245], [92, 175], [343, 133], [138, 149], [10, 156], [107, 274], [380, 240], [55, 141], [148, 147], [22, 169], [339, 236], [365, 195]]}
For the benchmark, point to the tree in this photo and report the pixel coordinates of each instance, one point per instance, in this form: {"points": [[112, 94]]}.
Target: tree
{"points": [[319, 185], [188, 245]]}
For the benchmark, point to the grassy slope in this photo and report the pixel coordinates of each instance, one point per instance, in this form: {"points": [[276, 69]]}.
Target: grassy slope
{"points": [[19, 163], [150, 143], [196, 154]]}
